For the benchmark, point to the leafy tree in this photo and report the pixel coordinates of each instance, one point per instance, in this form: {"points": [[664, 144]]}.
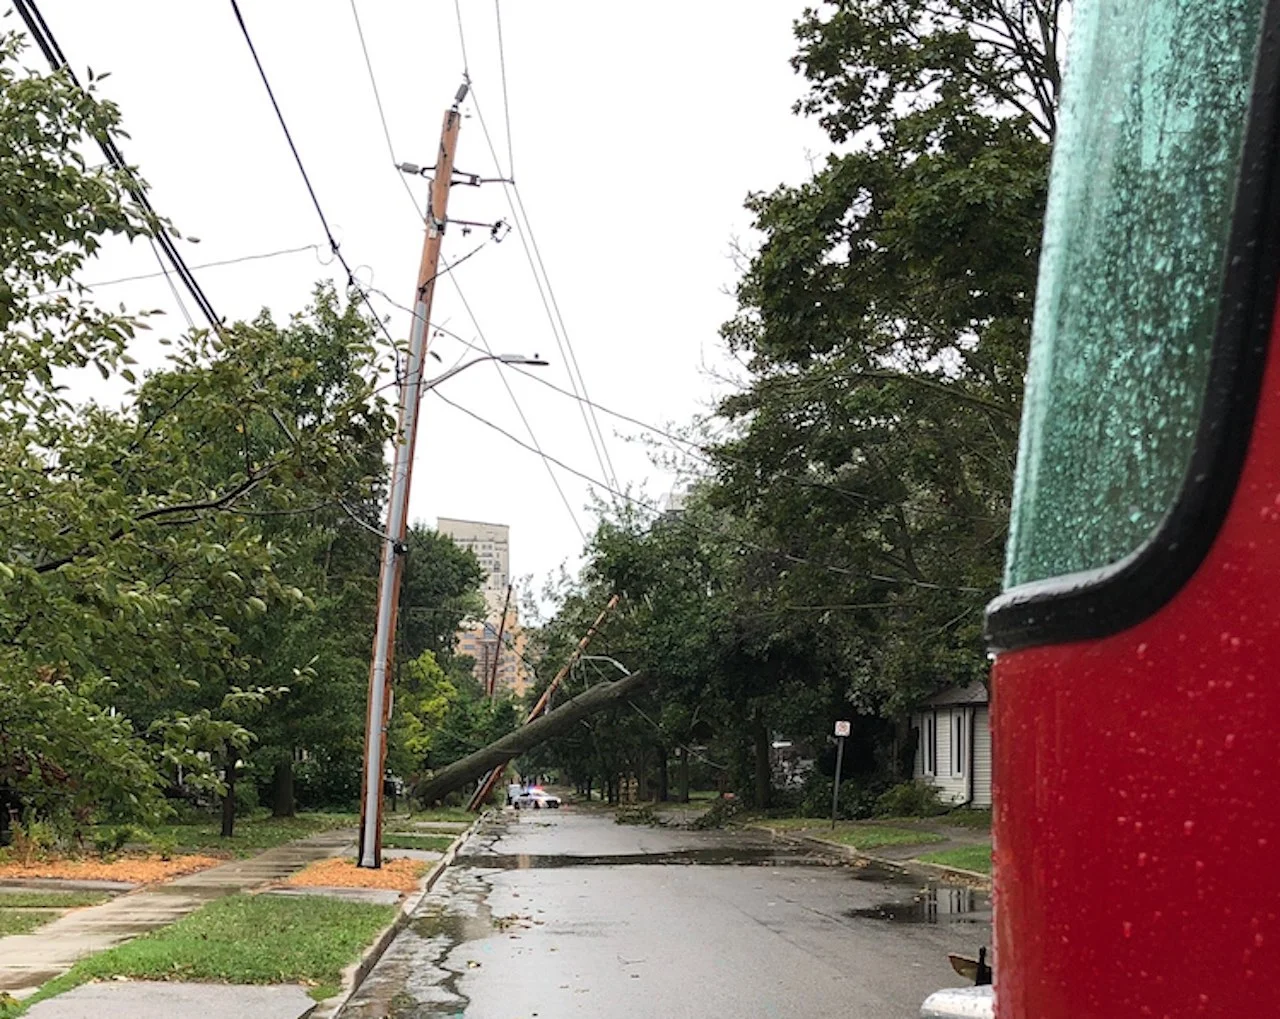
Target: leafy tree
{"points": [[137, 562]]}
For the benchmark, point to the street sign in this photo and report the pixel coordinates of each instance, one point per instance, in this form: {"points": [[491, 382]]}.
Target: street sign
{"points": [[842, 728]]}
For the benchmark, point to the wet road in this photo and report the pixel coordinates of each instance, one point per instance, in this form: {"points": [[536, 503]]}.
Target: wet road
{"points": [[565, 913]]}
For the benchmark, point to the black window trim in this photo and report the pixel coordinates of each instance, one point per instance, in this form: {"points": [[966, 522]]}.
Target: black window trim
{"points": [[1098, 603]]}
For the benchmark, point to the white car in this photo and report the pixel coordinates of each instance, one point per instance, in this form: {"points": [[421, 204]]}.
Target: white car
{"points": [[536, 799]]}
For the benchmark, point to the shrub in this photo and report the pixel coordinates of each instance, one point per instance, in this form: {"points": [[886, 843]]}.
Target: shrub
{"points": [[909, 799], [857, 799], [107, 841]]}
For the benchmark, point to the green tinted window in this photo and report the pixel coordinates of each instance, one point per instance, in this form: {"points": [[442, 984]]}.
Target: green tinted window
{"points": [[1144, 174]]}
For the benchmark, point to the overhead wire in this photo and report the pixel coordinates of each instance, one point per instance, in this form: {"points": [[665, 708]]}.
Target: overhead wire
{"points": [[550, 306], [202, 265], [533, 256], [516, 403], [746, 543], [352, 283], [382, 115], [506, 103], [158, 234]]}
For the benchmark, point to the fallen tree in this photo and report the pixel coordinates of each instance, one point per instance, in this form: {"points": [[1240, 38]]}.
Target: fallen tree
{"points": [[512, 745]]}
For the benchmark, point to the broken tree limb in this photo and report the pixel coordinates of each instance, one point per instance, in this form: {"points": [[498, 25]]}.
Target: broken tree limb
{"points": [[512, 745]]}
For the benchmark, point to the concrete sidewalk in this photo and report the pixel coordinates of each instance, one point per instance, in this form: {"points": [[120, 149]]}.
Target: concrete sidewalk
{"points": [[28, 960]]}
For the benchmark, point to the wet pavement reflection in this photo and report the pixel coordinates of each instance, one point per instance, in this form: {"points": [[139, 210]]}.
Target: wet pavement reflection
{"points": [[582, 917]]}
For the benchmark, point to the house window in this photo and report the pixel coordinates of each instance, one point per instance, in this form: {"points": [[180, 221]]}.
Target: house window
{"points": [[958, 743], [929, 744]]}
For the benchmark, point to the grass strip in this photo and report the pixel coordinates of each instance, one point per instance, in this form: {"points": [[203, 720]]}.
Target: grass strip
{"points": [[252, 834], [22, 921], [40, 899], [873, 836], [430, 843], [242, 939], [969, 858]]}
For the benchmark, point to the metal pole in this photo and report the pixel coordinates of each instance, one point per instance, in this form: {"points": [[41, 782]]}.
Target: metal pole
{"points": [[835, 789], [392, 567]]}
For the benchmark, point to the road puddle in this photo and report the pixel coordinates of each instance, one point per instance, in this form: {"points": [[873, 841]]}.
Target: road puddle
{"points": [[934, 905]]}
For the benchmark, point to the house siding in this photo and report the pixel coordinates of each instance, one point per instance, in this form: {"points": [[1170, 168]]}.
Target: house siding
{"points": [[952, 785], [982, 757]]}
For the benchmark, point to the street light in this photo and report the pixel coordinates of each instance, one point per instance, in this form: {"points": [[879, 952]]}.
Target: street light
{"points": [[393, 549], [532, 362]]}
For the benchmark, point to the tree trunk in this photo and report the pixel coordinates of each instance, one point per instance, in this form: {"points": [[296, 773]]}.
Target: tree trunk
{"points": [[587, 788], [684, 775], [524, 739], [760, 738], [229, 797], [664, 776], [282, 789]]}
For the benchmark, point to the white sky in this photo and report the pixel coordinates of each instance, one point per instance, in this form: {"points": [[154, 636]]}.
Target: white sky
{"points": [[637, 131]]}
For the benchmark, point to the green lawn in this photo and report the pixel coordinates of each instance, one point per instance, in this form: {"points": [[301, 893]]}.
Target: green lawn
{"points": [[252, 834], [406, 840], [20, 921], [873, 836], [969, 817], [243, 939], [53, 900], [970, 858]]}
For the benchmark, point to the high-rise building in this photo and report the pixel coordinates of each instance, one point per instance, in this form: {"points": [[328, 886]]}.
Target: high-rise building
{"points": [[491, 545]]}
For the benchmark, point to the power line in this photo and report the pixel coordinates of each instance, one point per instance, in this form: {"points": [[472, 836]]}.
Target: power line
{"points": [[643, 504], [159, 236], [202, 265], [519, 410], [506, 104], [550, 307], [462, 39], [546, 293], [382, 116], [541, 280], [306, 178], [706, 454]]}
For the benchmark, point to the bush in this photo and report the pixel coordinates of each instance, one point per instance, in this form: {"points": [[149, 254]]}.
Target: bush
{"points": [[33, 840], [107, 841], [909, 799], [857, 800]]}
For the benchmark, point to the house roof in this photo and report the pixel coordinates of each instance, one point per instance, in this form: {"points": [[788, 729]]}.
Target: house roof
{"points": [[974, 693]]}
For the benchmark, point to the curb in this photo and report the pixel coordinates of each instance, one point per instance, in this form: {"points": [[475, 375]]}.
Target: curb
{"points": [[354, 975], [920, 867]]}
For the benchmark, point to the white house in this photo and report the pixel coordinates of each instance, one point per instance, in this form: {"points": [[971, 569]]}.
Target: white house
{"points": [[953, 745]]}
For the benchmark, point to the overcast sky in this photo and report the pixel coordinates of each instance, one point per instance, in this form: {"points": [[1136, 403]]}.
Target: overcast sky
{"points": [[637, 130]]}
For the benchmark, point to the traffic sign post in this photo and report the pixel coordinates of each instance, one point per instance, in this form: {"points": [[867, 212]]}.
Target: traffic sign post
{"points": [[842, 730]]}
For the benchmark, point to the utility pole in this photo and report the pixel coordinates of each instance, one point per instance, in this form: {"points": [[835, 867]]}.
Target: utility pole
{"points": [[486, 787], [393, 542], [502, 623]]}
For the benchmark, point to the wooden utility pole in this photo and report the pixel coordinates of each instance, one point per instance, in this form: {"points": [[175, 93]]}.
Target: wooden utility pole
{"points": [[486, 787], [393, 543], [502, 623]]}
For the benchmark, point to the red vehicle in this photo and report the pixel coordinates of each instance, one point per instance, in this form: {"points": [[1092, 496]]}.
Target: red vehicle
{"points": [[1136, 687]]}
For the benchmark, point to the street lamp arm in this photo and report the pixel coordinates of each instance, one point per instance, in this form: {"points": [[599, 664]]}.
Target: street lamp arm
{"points": [[534, 361]]}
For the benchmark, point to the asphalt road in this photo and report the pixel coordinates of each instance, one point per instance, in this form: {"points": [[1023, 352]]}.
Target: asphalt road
{"points": [[565, 913]]}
